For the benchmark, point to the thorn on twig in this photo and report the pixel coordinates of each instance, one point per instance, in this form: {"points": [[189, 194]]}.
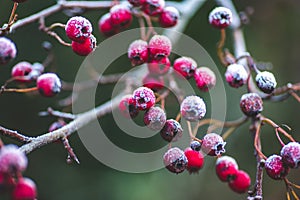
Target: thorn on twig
{"points": [[71, 154]]}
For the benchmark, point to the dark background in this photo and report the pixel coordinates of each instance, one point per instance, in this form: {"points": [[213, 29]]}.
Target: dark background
{"points": [[272, 36]]}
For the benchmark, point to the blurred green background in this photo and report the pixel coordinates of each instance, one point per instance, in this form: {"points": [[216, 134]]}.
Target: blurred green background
{"points": [[272, 36]]}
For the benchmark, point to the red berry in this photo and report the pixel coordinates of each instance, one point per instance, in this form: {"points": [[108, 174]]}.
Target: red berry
{"points": [[155, 118], [171, 131], [290, 154], [213, 144], [153, 7], [226, 168], [153, 82], [57, 125], [185, 66], [24, 190], [138, 52], [160, 47], [137, 3], [159, 67], [127, 107], [78, 29], [105, 26], [175, 160], [251, 104], [241, 182], [205, 78], [8, 50], [236, 75], [143, 98], [220, 17], [85, 48], [192, 108], [21, 71], [48, 84], [120, 16], [275, 168], [195, 160], [266, 82], [169, 17], [12, 160]]}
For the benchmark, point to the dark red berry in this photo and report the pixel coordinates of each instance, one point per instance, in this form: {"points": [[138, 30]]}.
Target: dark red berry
{"points": [[193, 108], [205, 78], [175, 160], [213, 144], [290, 154], [195, 160], [195, 145], [48, 84], [153, 7], [57, 125], [85, 48], [138, 52], [143, 98], [266, 82], [241, 182], [171, 131], [12, 160], [251, 104], [236, 75], [220, 17], [226, 168], [8, 50], [185, 66], [78, 29], [137, 3], [127, 107], [275, 167], [153, 82], [105, 26], [21, 71], [155, 118], [160, 47], [159, 67], [24, 190], [169, 17], [120, 16]]}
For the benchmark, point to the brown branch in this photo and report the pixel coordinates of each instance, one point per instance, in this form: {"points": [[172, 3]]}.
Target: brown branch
{"points": [[15, 135]]}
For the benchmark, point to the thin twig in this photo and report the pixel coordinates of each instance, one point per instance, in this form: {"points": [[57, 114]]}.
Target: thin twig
{"points": [[15, 135]]}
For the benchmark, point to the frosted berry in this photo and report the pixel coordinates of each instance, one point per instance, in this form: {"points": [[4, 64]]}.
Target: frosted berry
{"points": [[127, 107], [153, 7], [195, 160], [12, 160], [85, 48], [159, 67], [236, 75], [143, 98], [48, 84], [193, 108], [169, 17], [266, 82], [138, 52], [220, 17], [275, 167], [78, 29], [175, 160], [251, 104], [24, 190], [185, 66], [8, 50], [213, 144], [290, 154], [153, 82], [57, 125], [120, 16], [137, 3], [226, 168], [105, 26], [160, 47], [241, 182], [171, 131], [205, 78], [155, 118], [21, 71], [195, 145]]}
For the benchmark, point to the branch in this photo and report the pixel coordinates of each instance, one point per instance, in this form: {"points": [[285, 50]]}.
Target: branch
{"points": [[15, 135]]}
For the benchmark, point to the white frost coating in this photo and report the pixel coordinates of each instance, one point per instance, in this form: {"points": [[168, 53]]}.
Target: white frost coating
{"points": [[172, 10], [266, 80], [137, 46], [227, 160], [11, 157], [236, 71], [219, 13], [193, 108]]}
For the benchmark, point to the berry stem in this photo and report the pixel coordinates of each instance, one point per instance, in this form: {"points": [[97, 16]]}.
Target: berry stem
{"points": [[56, 25], [190, 130], [150, 26], [220, 46], [25, 90], [178, 117], [13, 15], [56, 113], [257, 143], [278, 137], [142, 28], [69, 149]]}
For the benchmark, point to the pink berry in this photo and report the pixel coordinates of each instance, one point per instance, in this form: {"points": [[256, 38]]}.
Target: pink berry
{"points": [[275, 167], [251, 104], [213, 144], [127, 107], [236, 75], [290, 154], [24, 190], [169, 17], [56, 125], [266, 82], [241, 182], [153, 7], [193, 108], [48, 84], [185, 66], [143, 98], [85, 48], [105, 25], [159, 67], [153, 82], [8, 50], [226, 168], [175, 160], [78, 29], [160, 47], [220, 17], [195, 160], [205, 78], [12, 160], [155, 118], [21, 71], [137, 3], [171, 131], [138, 52], [120, 16]]}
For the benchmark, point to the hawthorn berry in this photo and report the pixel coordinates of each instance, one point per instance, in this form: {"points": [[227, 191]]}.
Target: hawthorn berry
{"points": [[12, 160], [213, 144], [153, 7], [8, 50], [144, 98], [220, 17], [169, 17], [193, 108], [127, 107], [205, 78], [155, 118], [185, 66], [85, 48], [21, 71], [24, 190], [153, 82], [120, 16], [78, 29], [290, 154], [171, 131], [175, 160], [48, 84], [236, 75], [137, 3], [138, 52], [195, 160], [251, 104], [159, 67], [105, 25], [266, 82], [241, 182], [226, 168], [275, 167], [159, 47], [56, 125], [195, 145]]}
